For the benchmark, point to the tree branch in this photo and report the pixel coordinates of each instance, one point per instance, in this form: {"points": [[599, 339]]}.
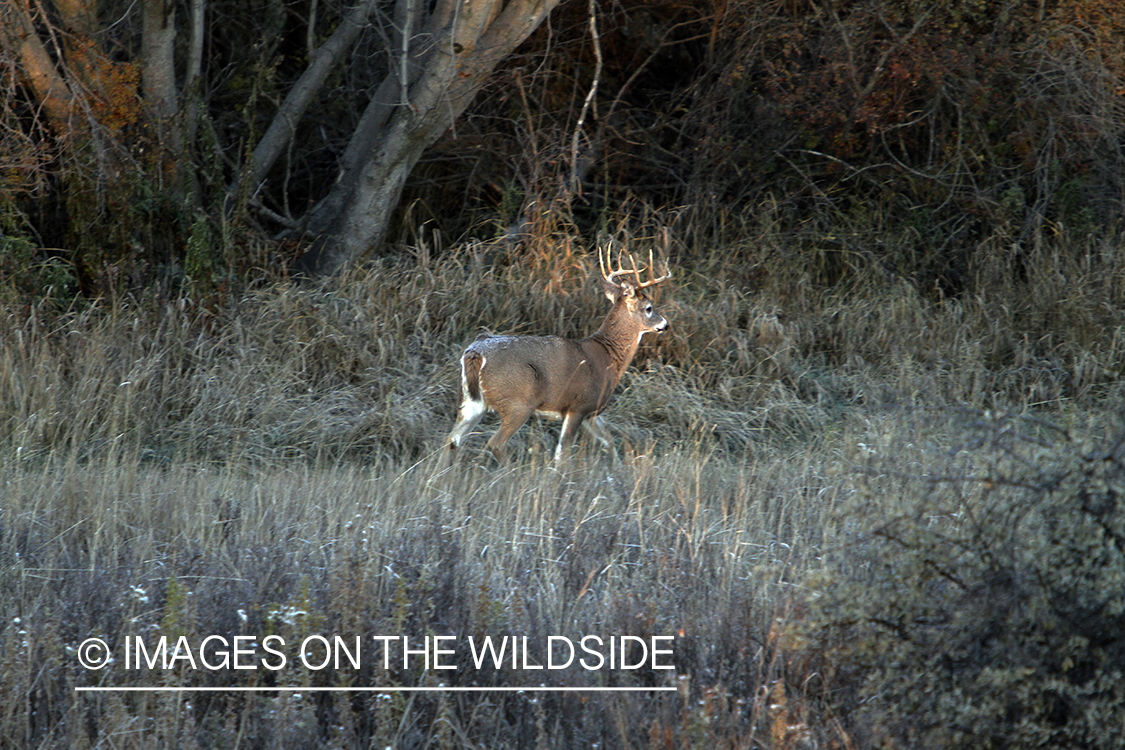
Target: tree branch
{"points": [[575, 177], [18, 34], [284, 123]]}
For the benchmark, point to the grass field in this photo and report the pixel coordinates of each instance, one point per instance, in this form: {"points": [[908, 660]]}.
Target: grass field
{"points": [[868, 514]]}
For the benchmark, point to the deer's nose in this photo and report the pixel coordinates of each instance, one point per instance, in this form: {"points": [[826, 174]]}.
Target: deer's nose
{"points": [[662, 326]]}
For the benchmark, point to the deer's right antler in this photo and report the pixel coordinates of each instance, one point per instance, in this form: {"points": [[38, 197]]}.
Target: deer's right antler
{"points": [[610, 275]]}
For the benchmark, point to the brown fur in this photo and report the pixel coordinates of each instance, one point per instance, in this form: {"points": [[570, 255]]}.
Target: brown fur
{"points": [[570, 379]]}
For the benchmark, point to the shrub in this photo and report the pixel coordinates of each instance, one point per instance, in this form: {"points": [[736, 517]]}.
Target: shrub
{"points": [[990, 610]]}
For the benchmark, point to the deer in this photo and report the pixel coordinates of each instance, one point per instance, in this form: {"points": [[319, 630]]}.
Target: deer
{"points": [[556, 377]]}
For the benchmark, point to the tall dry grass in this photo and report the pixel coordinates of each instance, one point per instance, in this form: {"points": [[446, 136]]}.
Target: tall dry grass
{"points": [[266, 468]]}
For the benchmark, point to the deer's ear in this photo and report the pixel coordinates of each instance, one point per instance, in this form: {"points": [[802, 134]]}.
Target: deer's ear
{"points": [[615, 290], [611, 290]]}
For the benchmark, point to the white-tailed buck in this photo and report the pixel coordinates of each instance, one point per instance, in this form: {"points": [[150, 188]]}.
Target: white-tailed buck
{"points": [[567, 379]]}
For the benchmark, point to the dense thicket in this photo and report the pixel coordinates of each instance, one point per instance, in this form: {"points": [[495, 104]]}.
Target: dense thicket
{"points": [[950, 126]]}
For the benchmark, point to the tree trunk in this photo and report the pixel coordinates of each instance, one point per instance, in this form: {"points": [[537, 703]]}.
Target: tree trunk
{"points": [[438, 72], [158, 36], [17, 30]]}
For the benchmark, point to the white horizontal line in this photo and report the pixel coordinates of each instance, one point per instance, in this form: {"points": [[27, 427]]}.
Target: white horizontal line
{"points": [[294, 689]]}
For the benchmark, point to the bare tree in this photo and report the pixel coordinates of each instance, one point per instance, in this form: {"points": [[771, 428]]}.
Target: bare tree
{"points": [[435, 56], [45, 44], [441, 55], [19, 36], [321, 63], [438, 57]]}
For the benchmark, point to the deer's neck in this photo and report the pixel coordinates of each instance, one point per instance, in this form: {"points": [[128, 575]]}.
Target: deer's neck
{"points": [[620, 342]]}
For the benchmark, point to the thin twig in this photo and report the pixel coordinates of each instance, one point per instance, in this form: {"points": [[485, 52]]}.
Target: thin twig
{"points": [[575, 182]]}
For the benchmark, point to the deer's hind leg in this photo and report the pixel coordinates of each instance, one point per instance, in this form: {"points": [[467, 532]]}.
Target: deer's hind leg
{"points": [[468, 418], [470, 415], [511, 420], [473, 408]]}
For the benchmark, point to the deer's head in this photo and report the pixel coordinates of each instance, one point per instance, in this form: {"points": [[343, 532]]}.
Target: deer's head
{"points": [[633, 311]]}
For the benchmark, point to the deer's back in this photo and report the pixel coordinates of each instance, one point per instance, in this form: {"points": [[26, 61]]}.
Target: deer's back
{"points": [[552, 375]]}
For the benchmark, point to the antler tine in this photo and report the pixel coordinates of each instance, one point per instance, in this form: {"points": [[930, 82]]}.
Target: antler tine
{"points": [[652, 271], [610, 274], [603, 263]]}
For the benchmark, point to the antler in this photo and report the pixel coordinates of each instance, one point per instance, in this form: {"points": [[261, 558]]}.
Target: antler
{"points": [[609, 275]]}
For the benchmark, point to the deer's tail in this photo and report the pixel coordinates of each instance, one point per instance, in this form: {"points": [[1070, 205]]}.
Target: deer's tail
{"points": [[471, 365]]}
